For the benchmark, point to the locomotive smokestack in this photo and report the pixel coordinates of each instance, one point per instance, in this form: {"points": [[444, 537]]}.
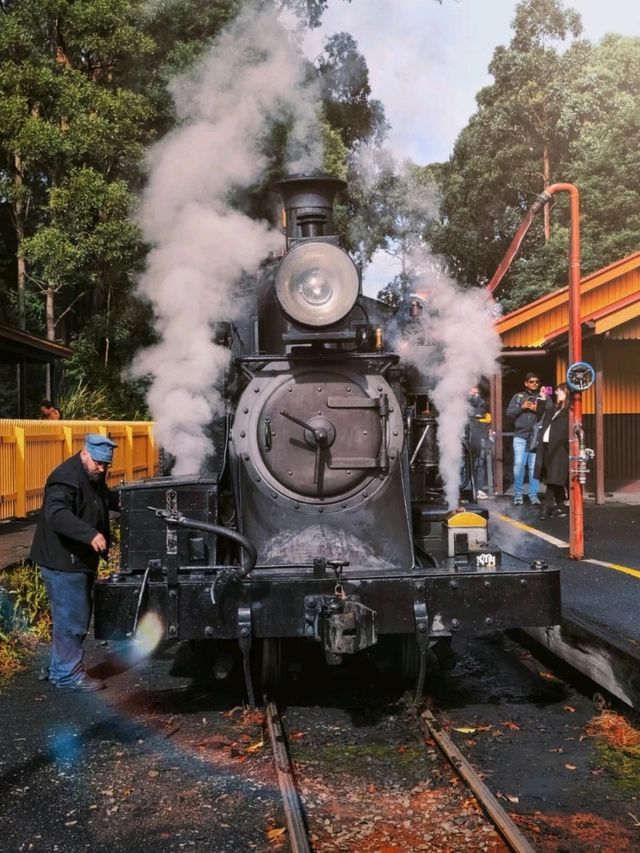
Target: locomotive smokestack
{"points": [[308, 200]]}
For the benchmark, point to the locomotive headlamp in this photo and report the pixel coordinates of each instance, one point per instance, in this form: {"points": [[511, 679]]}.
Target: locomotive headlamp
{"points": [[317, 284]]}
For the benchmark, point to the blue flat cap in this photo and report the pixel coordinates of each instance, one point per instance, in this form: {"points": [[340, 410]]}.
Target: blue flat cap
{"points": [[100, 447]]}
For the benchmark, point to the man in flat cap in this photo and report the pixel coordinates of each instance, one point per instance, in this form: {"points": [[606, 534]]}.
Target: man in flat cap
{"points": [[71, 535]]}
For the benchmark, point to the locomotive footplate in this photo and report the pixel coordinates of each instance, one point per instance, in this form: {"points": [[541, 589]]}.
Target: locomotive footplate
{"points": [[454, 600]]}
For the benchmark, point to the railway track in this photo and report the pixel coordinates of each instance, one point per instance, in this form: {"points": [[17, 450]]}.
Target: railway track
{"points": [[500, 818], [294, 811], [520, 772]]}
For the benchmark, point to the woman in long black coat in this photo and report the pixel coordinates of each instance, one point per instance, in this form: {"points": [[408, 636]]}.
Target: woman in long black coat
{"points": [[552, 453]]}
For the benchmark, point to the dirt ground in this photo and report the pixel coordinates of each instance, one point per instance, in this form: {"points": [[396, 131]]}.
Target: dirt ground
{"points": [[167, 758]]}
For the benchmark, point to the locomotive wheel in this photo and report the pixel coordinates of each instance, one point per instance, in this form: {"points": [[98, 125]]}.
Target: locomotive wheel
{"points": [[409, 658], [271, 662], [406, 657]]}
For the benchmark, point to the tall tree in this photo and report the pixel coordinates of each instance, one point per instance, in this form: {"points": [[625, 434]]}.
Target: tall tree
{"points": [[514, 145], [62, 108]]}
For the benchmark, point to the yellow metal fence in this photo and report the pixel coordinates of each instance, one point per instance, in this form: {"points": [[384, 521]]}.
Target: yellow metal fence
{"points": [[30, 450]]}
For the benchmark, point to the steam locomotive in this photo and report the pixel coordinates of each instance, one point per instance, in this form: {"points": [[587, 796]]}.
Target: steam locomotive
{"points": [[321, 518]]}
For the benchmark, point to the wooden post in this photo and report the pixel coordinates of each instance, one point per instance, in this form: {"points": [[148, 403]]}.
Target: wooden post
{"points": [[497, 423], [599, 398], [128, 453], [151, 452], [21, 466], [68, 442]]}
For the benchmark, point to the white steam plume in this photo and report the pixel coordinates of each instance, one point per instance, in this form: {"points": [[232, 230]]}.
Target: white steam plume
{"points": [[463, 347], [201, 246]]}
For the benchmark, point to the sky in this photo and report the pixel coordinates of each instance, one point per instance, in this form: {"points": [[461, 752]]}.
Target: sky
{"points": [[428, 60]]}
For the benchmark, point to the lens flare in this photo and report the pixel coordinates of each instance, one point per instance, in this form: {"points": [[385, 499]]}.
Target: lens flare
{"points": [[149, 633]]}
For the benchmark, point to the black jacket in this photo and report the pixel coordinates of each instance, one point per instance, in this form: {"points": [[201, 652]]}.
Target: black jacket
{"points": [[74, 510], [524, 419], [552, 457]]}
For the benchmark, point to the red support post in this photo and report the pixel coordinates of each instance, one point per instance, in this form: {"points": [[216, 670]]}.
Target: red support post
{"points": [[576, 496]]}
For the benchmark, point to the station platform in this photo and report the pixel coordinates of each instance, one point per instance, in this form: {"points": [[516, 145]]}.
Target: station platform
{"points": [[600, 630]]}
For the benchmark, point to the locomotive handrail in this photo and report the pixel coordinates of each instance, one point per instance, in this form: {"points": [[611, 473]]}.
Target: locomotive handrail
{"points": [[217, 529], [259, 362]]}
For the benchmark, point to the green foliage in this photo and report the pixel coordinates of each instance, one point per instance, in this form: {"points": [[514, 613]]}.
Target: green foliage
{"points": [[29, 595], [83, 92], [344, 80], [550, 116], [29, 599]]}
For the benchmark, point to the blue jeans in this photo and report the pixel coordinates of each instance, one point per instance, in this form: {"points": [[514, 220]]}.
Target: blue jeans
{"points": [[522, 459], [71, 600]]}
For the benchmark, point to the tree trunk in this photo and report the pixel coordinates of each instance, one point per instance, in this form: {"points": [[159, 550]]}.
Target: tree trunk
{"points": [[546, 177], [50, 313], [20, 214]]}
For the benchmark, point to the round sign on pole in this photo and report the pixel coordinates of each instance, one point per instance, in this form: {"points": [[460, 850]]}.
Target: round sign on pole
{"points": [[580, 376]]}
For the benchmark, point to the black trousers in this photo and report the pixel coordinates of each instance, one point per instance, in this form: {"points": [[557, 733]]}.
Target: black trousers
{"points": [[554, 496]]}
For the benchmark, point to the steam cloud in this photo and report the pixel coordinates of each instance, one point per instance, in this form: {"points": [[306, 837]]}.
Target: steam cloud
{"points": [[201, 246], [463, 347]]}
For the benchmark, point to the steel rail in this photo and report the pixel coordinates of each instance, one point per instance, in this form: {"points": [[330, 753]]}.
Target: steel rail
{"points": [[498, 816], [293, 811]]}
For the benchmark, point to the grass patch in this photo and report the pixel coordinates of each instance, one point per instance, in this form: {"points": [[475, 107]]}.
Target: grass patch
{"points": [[30, 621], [619, 747], [359, 757]]}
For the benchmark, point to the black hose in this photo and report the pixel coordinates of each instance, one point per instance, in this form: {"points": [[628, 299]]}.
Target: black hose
{"points": [[217, 530]]}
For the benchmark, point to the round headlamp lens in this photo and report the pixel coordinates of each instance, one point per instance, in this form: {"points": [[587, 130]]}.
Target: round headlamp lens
{"points": [[317, 284], [315, 287]]}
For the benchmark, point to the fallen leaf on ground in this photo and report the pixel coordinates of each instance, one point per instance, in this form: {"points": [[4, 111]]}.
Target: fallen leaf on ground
{"points": [[465, 730], [276, 834], [570, 766], [570, 709], [254, 747], [510, 725], [296, 735]]}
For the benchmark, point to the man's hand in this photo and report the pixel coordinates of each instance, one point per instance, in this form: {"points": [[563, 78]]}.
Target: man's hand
{"points": [[99, 543], [529, 404]]}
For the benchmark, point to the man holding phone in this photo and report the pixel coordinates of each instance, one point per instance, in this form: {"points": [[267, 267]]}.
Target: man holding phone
{"points": [[525, 409]]}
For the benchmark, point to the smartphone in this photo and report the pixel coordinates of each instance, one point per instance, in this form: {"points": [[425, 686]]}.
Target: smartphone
{"points": [[548, 390]]}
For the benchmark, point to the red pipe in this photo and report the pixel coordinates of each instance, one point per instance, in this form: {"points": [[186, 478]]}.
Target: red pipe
{"points": [[576, 493], [576, 496], [505, 263]]}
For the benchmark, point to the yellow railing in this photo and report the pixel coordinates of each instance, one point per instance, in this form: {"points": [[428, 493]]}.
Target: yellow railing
{"points": [[30, 450]]}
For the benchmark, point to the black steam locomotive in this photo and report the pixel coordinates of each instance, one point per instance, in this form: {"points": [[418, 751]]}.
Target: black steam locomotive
{"points": [[321, 519]]}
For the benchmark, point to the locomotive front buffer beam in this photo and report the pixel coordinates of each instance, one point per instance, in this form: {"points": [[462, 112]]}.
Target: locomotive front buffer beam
{"points": [[345, 617]]}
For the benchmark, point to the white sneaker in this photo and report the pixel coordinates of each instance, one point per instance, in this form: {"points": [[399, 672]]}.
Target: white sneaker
{"points": [[481, 496]]}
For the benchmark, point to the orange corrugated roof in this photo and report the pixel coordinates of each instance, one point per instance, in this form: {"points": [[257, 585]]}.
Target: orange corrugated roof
{"points": [[605, 315]]}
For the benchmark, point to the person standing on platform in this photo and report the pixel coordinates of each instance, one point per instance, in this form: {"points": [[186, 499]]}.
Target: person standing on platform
{"points": [[71, 535], [552, 453], [479, 421], [525, 409]]}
